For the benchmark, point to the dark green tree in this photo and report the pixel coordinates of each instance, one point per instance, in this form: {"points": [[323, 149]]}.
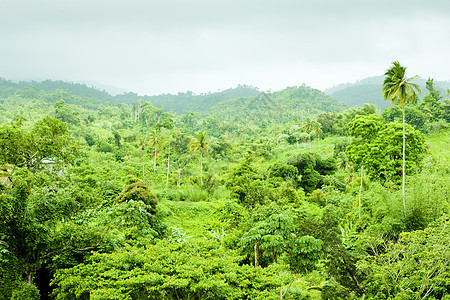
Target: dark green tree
{"points": [[66, 114]]}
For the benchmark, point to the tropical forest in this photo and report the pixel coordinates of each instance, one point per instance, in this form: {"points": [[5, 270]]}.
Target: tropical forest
{"points": [[234, 194]]}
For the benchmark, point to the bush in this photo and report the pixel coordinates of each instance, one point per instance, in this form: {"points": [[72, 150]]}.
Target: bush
{"points": [[25, 291], [138, 191]]}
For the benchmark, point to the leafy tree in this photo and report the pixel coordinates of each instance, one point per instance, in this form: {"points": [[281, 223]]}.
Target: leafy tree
{"points": [[311, 169], [417, 266], [398, 88], [90, 119], [49, 138], [168, 270], [378, 147], [430, 103], [277, 235], [64, 113], [385, 153], [295, 131], [247, 183], [199, 143], [364, 130], [339, 246]]}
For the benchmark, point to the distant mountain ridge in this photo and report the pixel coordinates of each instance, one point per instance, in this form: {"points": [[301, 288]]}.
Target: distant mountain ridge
{"points": [[180, 103], [368, 90]]}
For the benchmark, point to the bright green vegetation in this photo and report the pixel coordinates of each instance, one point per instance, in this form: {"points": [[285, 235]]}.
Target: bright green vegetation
{"points": [[238, 195]]}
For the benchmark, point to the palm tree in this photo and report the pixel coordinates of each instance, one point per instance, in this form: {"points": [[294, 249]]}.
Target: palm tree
{"points": [[168, 162], [307, 126], [200, 144], [398, 88], [142, 143], [155, 141], [317, 129]]}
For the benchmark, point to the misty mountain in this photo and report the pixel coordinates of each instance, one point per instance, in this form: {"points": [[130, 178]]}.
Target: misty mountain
{"points": [[368, 90], [180, 103]]}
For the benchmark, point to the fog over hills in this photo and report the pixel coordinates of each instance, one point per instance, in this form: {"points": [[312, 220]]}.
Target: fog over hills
{"points": [[368, 90]]}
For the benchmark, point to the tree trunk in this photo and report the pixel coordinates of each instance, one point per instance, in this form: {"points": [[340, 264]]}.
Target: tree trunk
{"points": [[256, 255], [154, 159], [179, 178], [403, 169], [143, 166], [310, 143], [201, 168], [360, 188], [318, 137], [168, 164]]}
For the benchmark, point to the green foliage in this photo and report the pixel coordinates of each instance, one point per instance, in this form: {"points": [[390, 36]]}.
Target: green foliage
{"points": [[312, 168], [417, 265], [379, 148], [65, 113], [94, 218], [278, 235], [168, 270], [246, 183], [48, 138], [139, 191], [25, 291]]}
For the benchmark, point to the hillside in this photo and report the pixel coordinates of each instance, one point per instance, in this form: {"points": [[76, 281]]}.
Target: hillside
{"points": [[179, 103], [368, 90], [188, 101], [114, 192], [292, 103]]}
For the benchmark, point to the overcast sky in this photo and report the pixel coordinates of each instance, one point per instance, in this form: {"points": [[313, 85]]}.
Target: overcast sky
{"points": [[161, 46]]}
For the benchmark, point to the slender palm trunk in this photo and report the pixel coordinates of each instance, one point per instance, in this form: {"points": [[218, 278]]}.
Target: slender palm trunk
{"points": [[318, 137], [143, 165], [201, 168], [360, 188], [168, 165], [256, 254], [310, 143], [154, 159], [403, 169]]}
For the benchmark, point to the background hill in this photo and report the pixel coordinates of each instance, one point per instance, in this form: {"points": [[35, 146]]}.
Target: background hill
{"points": [[180, 103], [368, 90], [292, 103]]}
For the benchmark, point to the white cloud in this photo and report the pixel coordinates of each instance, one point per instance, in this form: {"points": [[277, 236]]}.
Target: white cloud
{"points": [[168, 46]]}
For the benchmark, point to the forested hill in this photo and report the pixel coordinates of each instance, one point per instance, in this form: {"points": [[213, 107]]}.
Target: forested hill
{"points": [[184, 102], [8, 88], [368, 90], [180, 103], [292, 103]]}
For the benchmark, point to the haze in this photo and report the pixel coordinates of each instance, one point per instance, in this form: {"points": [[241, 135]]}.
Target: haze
{"points": [[154, 47]]}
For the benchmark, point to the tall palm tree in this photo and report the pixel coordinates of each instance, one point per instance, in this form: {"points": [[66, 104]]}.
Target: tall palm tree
{"points": [[168, 161], [317, 129], [200, 144], [155, 141], [142, 143], [307, 126], [399, 89]]}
